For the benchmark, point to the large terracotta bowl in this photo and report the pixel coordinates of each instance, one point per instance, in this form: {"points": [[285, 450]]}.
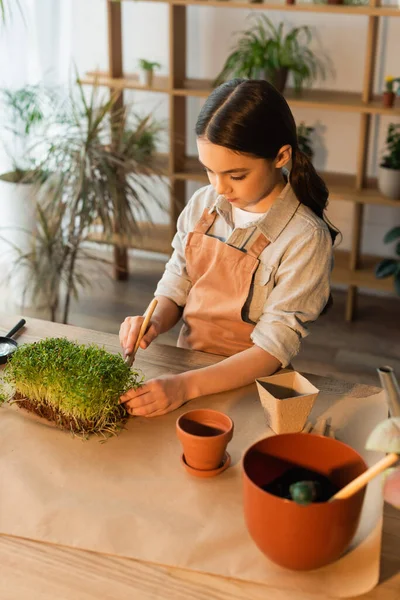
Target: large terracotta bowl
{"points": [[292, 535]]}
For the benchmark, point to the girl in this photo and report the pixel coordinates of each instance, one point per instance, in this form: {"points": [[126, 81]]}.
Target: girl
{"points": [[252, 253]]}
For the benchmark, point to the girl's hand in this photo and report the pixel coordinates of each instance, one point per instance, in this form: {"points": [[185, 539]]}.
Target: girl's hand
{"points": [[129, 331], [391, 489], [157, 397]]}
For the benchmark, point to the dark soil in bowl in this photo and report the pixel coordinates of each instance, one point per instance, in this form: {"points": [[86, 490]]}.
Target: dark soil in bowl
{"points": [[280, 486]]}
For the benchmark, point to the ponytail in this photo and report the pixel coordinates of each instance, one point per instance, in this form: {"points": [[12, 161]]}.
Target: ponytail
{"points": [[309, 188]]}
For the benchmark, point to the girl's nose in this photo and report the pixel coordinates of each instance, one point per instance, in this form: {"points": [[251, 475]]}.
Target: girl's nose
{"points": [[222, 186]]}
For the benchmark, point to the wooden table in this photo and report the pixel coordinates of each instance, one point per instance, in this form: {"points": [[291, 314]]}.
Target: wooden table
{"points": [[36, 571]]}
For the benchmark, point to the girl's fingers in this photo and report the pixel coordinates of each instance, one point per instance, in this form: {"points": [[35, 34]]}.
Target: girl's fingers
{"points": [[150, 335], [123, 332], [132, 394], [132, 334], [146, 410]]}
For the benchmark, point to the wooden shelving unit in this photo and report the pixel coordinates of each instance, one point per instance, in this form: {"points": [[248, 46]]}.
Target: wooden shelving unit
{"points": [[351, 268]]}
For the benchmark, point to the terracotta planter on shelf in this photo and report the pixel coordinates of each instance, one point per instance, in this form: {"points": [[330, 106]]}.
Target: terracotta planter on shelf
{"points": [[289, 534], [287, 400], [290, 1], [204, 435], [388, 99], [389, 182], [335, 1]]}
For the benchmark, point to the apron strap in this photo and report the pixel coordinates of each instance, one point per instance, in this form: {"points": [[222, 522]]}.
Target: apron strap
{"points": [[258, 246], [205, 222]]}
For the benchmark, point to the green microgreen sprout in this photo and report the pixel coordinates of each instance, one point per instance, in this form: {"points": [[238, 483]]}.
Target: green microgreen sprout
{"points": [[76, 386]]}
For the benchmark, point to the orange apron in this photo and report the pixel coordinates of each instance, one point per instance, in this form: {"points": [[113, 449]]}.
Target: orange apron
{"points": [[221, 277]]}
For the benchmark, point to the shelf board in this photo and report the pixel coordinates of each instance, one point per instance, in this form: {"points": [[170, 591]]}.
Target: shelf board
{"points": [[129, 81], [309, 98], [378, 11], [341, 186], [363, 276], [385, 11], [152, 238]]}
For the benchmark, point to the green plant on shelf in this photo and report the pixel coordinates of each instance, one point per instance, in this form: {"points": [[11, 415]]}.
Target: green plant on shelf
{"points": [[148, 67], [267, 52], [391, 159], [390, 82], [304, 141], [390, 267]]}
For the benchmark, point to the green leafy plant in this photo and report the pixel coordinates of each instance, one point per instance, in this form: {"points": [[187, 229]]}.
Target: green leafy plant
{"points": [[391, 160], [304, 139], [26, 111], [75, 386], [148, 65], [390, 82], [265, 51], [99, 158], [390, 267]]}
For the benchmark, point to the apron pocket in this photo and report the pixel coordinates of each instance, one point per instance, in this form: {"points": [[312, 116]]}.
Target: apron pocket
{"points": [[261, 288], [263, 275]]}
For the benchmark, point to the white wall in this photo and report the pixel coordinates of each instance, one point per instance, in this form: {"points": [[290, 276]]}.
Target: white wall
{"points": [[342, 38]]}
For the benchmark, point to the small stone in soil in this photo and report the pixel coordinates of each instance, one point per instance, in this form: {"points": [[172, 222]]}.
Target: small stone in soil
{"points": [[280, 486]]}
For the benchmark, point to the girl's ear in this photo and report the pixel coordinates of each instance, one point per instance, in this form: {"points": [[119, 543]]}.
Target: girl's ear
{"points": [[283, 157]]}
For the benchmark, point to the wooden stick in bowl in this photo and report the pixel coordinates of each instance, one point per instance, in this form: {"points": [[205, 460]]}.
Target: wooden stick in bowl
{"points": [[362, 480]]}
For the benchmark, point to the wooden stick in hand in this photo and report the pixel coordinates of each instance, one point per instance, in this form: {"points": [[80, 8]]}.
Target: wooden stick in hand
{"points": [[147, 316], [362, 480]]}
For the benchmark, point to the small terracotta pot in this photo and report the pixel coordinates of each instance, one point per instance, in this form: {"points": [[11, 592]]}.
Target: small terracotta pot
{"points": [[388, 99], [335, 1], [292, 535], [204, 435], [290, 1]]}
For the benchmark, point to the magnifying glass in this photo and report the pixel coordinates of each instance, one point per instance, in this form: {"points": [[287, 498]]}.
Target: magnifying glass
{"points": [[7, 344]]}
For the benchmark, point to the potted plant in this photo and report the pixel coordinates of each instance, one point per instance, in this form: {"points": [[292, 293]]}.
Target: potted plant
{"points": [[304, 139], [148, 67], [390, 267], [389, 92], [266, 52], [102, 181], [51, 379], [389, 169], [26, 112]]}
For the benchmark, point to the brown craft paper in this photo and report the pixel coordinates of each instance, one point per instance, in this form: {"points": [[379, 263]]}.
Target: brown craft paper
{"points": [[130, 496]]}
